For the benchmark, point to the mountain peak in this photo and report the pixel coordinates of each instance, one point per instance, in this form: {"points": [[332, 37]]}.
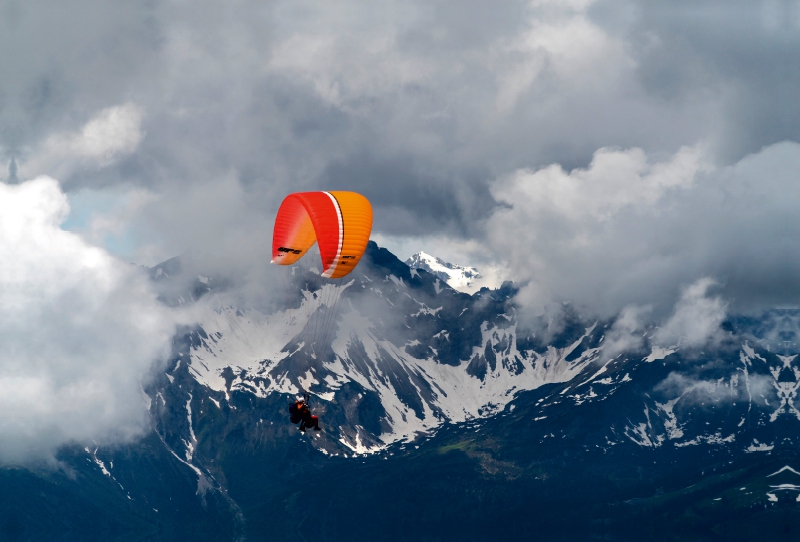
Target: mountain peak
{"points": [[456, 276]]}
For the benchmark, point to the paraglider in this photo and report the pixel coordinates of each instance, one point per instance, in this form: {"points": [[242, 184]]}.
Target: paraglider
{"points": [[339, 223], [300, 412]]}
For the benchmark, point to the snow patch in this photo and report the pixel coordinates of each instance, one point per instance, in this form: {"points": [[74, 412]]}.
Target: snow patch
{"points": [[659, 353], [784, 469], [457, 277]]}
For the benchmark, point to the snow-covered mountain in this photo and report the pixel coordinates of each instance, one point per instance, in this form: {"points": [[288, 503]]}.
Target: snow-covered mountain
{"points": [[411, 369], [457, 277], [431, 391], [420, 353], [404, 354]]}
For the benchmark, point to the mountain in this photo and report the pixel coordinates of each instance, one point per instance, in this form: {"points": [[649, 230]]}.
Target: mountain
{"points": [[407, 353], [445, 418], [456, 276]]}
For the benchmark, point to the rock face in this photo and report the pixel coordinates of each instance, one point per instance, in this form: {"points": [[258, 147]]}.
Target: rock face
{"points": [[426, 391], [456, 276]]}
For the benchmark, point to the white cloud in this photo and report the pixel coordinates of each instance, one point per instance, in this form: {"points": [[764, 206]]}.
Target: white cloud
{"points": [[111, 133], [555, 222], [630, 230], [696, 319], [694, 390], [627, 332], [345, 72], [562, 40], [613, 180], [79, 331]]}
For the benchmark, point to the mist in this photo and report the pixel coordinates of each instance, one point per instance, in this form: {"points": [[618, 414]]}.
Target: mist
{"points": [[81, 332]]}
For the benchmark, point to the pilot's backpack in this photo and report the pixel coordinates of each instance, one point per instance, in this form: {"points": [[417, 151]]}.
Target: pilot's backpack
{"points": [[294, 413]]}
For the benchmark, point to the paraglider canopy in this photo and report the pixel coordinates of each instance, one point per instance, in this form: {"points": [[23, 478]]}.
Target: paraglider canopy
{"points": [[339, 222]]}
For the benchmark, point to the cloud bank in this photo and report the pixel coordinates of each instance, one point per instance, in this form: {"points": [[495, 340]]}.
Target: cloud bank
{"points": [[419, 106], [79, 329], [629, 230]]}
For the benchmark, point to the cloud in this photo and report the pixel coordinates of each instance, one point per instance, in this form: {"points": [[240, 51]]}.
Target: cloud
{"points": [[568, 233], [604, 152], [696, 319], [734, 50], [80, 331], [418, 106], [628, 230], [562, 41], [113, 132], [627, 333], [694, 390]]}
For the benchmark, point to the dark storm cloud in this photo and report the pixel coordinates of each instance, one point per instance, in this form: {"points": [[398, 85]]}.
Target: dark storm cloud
{"points": [[414, 199], [63, 61], [746, 52], [420, 105], [424, 107]]}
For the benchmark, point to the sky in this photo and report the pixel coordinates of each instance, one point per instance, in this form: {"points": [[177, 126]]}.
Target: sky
{"points": [[626, 156]]}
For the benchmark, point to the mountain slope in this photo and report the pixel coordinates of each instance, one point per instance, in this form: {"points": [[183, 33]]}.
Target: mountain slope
{"points": [[456, 276], [419, 353]]}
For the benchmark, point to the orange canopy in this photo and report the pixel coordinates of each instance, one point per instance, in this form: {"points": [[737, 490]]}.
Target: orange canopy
{"points": [[339, 222]]}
